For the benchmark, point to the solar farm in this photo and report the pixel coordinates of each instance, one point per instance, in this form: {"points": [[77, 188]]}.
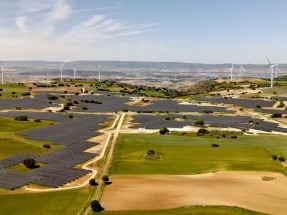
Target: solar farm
{"points": [[87, 129]]}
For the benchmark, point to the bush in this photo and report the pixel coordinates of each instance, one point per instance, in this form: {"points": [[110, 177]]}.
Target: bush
{"points": [[37, 120], [282, 159], [202, 131], [214, 145], [106, 179], [84, 108], [26, 94], [276, 115], [274, 157], [234, 137], [258, 106], [77, 93], [29, 163], [21, 118], [199, 122], [96, 206], [93, 182], [52, 97], [47, 146], [163, 131]]}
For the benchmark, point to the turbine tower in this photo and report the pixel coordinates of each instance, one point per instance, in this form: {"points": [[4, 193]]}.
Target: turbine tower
{"points": [[231, 72], [99, 68], [2, 71], [240, 70], [271, 70], [61, 67], [75, 71]]}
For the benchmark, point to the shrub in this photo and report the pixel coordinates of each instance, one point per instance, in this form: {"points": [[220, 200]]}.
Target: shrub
{"points": [[274, 157], [96, 206], [84, 108], [199, 122], [163, 131], [282, 159], [29, 163], [276, 115], [77, 93], [125, 110], [223, 135], [105, 179], [258, 106], [214, 145], [52, 97], [21, 118], [13, 93], [234, 137], [37, 120], [47, 146], [26, 94], [202, 131], [93, 182], [71, 116]]}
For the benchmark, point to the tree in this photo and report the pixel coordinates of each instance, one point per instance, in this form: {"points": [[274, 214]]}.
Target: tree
{"points": [[96, 206], [106, 179], [21, 118], [29, 163], [93, 182], [163, 131], [202, 131], [199, 122]]}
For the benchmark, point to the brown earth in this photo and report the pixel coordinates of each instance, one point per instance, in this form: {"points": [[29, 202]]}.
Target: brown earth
{"points": [[248, 190]]}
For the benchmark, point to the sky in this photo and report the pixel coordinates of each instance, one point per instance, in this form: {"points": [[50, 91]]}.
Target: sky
{"points": [[192, 31]]}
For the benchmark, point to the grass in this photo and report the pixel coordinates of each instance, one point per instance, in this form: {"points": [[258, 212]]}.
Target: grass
{"points": [[279, 90], [56, 203], [192, 155], [11, 143], [192, 210], [7, 90]]}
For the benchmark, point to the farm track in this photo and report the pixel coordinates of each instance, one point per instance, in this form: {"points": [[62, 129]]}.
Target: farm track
{"points": [[113, 135]]}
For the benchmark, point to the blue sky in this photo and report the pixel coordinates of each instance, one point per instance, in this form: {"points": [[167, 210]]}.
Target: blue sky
{"points": [[196, 31]]}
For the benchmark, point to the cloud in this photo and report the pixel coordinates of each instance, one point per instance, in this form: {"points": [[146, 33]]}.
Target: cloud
{"points": [[50, 31], [60, 12], [20, 22]]}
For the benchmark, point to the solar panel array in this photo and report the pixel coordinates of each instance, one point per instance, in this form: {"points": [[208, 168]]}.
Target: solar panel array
{"points": [[248, 103], [221, 121], [115, 103], [59, 165]]}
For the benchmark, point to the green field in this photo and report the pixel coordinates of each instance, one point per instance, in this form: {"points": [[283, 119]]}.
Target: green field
{"points": [[192, 210], [7, 90], [192, 155], [11, 143], [279, 90], [56, 203]]}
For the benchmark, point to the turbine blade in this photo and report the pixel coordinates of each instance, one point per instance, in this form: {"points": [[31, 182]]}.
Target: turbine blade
{"points": [[268, 61]]}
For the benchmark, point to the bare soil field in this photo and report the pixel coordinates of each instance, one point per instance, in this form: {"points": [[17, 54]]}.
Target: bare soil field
{"points": [[259, 191]]}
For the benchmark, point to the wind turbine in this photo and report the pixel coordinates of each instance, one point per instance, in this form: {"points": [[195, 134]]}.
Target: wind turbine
{"points": [[75, 71], [271, 69], [99, 68], [240, 70], [231, 72], [61, 67], [276, 71], [2, 71]]}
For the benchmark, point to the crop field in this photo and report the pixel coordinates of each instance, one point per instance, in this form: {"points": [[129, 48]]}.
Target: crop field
{"points": [[191, 210], [179, 155], [56, 203]]}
